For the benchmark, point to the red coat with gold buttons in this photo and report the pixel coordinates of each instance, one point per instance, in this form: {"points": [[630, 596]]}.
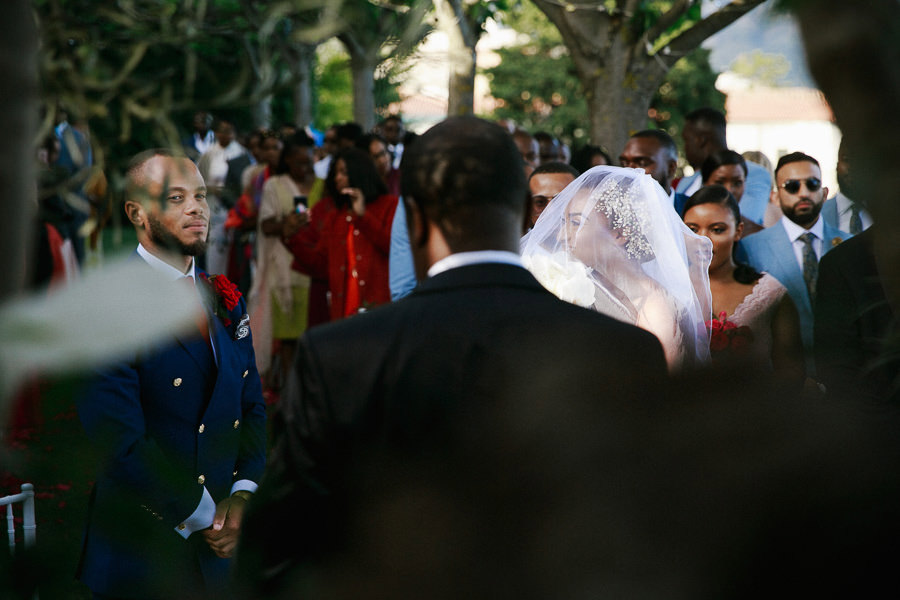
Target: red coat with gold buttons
{"points": [[329, 257]]}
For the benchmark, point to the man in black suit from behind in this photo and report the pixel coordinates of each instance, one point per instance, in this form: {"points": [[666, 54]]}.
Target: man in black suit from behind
{"points": [[855, 324], [405, 381]]}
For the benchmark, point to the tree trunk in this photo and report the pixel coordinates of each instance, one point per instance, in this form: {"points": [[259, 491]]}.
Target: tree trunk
{"points": [[618, 90], [303, 108], [18, 121], [262, 112], [363, 69], [461, 99], [461, 39]]}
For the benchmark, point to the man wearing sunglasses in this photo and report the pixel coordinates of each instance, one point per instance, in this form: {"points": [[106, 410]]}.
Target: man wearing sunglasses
{"points": [[790, 250]]}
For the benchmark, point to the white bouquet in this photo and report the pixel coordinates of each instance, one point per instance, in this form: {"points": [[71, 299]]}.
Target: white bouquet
{"points": [[568, 278]]}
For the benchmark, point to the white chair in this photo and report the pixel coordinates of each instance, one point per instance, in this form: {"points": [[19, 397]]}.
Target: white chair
{"points": [[29, 529]]}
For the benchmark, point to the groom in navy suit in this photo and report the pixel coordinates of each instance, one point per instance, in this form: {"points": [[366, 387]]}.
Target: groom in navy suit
{"points": [[791, 249], [179, 427]]}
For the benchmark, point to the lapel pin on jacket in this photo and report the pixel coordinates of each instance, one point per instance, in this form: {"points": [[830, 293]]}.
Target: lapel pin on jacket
{"points": [[243, 327]]}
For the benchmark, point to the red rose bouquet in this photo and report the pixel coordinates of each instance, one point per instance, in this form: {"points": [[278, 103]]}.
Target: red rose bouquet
{"points": [[726, 337], [227, 295]]}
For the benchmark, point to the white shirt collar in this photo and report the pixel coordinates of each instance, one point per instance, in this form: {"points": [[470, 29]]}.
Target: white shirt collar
{"points": [[463, 259], [165, 268], [844, 204], [794, 231]]}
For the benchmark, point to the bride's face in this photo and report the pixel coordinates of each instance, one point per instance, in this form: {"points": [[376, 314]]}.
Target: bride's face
{"points": [[588, 229]]}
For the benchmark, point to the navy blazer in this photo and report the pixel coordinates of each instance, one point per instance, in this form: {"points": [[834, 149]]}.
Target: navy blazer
{"points": [[168, 421], [771, 251]]}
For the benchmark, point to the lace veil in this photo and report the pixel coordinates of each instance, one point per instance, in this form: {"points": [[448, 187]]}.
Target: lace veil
{"points": [[612, 241]]}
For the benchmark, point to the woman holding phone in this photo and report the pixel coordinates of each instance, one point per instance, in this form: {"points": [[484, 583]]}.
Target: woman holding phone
{"points": [[280, 295], [352, 247]]}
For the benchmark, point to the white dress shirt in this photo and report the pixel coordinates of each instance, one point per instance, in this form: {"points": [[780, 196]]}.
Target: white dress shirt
{"points": [[202, 517], [794, 232], [464, 259], [844, 210]]}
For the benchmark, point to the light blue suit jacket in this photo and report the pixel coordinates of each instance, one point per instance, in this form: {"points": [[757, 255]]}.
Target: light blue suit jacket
{"points": [[771, 251], [830, 212], [401, 272]]}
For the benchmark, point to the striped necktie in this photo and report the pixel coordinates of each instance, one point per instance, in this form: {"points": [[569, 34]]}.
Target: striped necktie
{"points": [[810, 264]]}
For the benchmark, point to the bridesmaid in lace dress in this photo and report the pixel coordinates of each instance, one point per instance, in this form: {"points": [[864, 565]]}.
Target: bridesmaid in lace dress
{"points": [[748, 298]]}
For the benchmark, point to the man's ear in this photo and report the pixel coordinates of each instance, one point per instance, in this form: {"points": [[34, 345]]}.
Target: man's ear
{"points": [[773, 197], [135, 213], [416, 222], [673, 166]]}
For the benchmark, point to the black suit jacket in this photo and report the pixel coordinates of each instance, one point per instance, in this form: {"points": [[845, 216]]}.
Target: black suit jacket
{"points": [[415, 376], [853, 319]]}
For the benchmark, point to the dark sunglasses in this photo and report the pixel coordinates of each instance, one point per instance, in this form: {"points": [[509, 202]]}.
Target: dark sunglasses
{"points": [[792, 186]]}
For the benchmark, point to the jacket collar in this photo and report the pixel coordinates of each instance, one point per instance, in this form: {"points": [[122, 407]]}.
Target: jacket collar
{"points": [[479, 275]]}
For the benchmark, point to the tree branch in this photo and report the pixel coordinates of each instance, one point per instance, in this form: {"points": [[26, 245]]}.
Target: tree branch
{"points": [[354, 48], [669, 18], [628, 7], [691, 38]]}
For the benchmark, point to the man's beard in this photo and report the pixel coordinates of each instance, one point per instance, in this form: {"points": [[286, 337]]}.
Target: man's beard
{"points": [[164, 238], [806, 219]]}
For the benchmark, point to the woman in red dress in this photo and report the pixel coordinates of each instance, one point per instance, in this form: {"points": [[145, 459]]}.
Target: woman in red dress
{"points": [[353, 238]]}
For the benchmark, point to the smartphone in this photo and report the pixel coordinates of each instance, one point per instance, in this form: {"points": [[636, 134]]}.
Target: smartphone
{"points": [[300, 204]]}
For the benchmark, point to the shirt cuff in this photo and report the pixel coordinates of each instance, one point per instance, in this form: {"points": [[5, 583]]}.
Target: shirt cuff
{"points": [[200, 518], [244, 485]]}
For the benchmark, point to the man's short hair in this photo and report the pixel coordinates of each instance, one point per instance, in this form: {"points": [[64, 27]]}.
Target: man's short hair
{"points": [[583, 157], [792, 158], [554, 167], [364, 141], [665, 141], [220, 122], [349, 131], [465, 175], [721, 158], [136, 174], [709, 117]]}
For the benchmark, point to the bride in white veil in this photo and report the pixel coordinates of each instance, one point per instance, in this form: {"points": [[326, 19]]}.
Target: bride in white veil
{"points": [[612, 241]]}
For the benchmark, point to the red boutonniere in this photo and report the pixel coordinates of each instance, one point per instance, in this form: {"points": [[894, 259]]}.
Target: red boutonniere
{"points": [[728, 337], [227, 295]]}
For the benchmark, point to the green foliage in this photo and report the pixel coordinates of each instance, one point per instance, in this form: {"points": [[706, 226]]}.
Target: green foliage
{"points": [[333, 91], [136, 70], [479, 11], [762, 67], [689, 84], [649, 12], [535, 83]]}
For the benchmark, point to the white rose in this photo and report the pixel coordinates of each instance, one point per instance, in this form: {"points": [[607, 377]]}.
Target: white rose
{"points": [[567, 278]]}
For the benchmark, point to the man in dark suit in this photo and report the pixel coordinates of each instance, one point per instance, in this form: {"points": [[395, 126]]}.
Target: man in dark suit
{"points": [[479, 334], [844, 210], [180, 427], [853, 323]]}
